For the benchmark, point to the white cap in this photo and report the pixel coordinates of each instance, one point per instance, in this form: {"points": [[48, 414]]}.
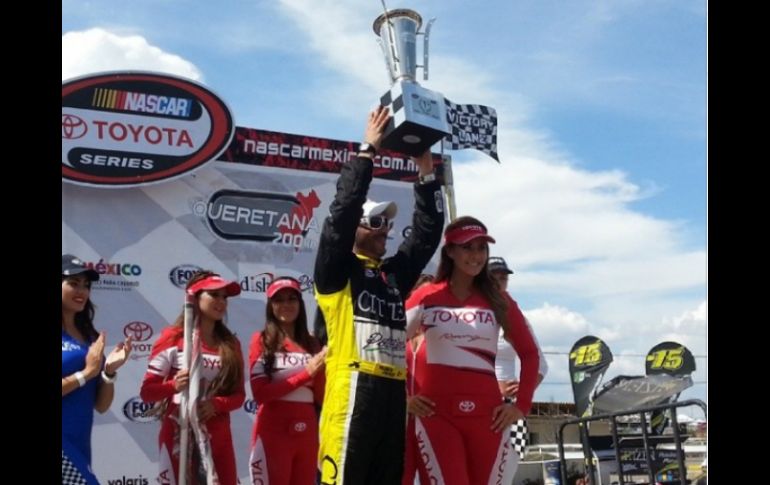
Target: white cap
{"points": [[372, 208]]}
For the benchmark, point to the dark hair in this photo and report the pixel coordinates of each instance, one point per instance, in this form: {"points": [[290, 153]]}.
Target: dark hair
{"points": [[84, 319], [272, 336], [230, 374], [482, 281]]}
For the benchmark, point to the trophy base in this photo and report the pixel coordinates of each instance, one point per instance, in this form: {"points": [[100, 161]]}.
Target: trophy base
{"points": [[418, 121]]}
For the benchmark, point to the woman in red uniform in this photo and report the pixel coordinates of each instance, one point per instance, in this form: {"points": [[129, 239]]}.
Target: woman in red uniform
{"points": [[465, 440], [222, 385], [285, 361], [416, 403]]}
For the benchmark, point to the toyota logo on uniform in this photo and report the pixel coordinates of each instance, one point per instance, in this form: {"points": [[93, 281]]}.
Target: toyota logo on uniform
{"points": [[467, 406]]}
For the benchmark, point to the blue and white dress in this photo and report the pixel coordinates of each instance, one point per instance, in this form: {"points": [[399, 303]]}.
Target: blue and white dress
{"points": [[77, 416]]}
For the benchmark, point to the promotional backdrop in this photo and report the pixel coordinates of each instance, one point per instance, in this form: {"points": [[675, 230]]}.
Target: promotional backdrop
{"points": [[252, 215]]}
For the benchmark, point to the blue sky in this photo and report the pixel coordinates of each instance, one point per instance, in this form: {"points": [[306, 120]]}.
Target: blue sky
{"points": [[599, 203]]}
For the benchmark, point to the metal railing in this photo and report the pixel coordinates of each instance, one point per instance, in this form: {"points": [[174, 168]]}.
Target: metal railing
{"points": [[642, 412]]}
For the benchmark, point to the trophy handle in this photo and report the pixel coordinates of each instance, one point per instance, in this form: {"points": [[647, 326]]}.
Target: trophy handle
{"points": [[426, 36]]}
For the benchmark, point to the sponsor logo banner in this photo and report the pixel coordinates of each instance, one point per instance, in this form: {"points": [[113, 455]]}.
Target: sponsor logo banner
{"points": [[180, 275], [136, 410], [115, 276], [279, 219], [274, 149], [140, 333], [125, 129], [255, 278]]}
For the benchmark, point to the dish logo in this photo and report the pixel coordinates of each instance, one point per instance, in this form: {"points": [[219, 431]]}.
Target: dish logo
{"points": [[124, 129]]}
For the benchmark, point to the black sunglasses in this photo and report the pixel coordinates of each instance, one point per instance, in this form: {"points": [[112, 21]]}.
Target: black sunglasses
{"points": [[376, 222]]}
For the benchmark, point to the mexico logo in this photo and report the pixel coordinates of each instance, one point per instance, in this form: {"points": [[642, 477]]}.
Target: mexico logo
{"points": [[123, 129]]}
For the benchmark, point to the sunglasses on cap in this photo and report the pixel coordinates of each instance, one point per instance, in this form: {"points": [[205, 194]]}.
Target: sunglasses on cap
{"points": [[376, 222]]}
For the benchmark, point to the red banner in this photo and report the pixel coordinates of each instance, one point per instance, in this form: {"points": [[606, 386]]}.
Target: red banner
{"points": [[273, 149]]}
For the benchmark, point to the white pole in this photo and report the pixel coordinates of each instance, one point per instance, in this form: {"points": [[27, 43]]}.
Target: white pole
{"points": [[449, 188], [184, 415]]}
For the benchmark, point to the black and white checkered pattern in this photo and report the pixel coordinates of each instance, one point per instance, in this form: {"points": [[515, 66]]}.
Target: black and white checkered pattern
{"points": [[69, 474], [473, 126], [395, 103], [519, 436]]}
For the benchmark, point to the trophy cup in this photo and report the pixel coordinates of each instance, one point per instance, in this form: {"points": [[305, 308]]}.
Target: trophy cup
{"points": [[419, 114]]}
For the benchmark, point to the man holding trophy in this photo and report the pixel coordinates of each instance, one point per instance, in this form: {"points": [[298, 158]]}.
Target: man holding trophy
{"points": [[360, 298], [359, 294]]}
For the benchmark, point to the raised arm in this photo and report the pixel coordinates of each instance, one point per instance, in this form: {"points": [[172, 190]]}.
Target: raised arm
{"points": [[335, 248], [427, 224]]}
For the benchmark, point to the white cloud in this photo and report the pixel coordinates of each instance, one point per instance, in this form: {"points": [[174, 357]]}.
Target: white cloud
{"points": [[97, 50], [547, 211], [554, 324], [569, 231], [689, 329]]}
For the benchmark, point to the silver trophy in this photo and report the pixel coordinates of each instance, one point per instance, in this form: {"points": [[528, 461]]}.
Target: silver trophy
{"points": [[419, 114]]}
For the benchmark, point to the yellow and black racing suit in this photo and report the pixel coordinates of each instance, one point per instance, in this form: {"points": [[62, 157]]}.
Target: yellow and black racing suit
{"points": [[362, 317]]}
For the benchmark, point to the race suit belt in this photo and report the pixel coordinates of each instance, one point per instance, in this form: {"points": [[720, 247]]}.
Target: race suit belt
{"points": [[378, 369]]}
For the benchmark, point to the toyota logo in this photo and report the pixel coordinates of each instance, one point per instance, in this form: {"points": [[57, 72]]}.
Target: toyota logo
{"points": [[73, 127], [138, 331], [425, 105], [300, 427], [467, 406]]}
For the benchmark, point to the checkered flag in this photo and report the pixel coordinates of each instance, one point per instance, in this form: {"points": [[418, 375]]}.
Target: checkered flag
{"points": [[519, 436], [472, 126]]}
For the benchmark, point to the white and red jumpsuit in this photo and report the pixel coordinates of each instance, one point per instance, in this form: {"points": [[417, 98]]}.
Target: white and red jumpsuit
{"points": [[166, 360], [455, 368], [284, 442], [412, 455]]}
